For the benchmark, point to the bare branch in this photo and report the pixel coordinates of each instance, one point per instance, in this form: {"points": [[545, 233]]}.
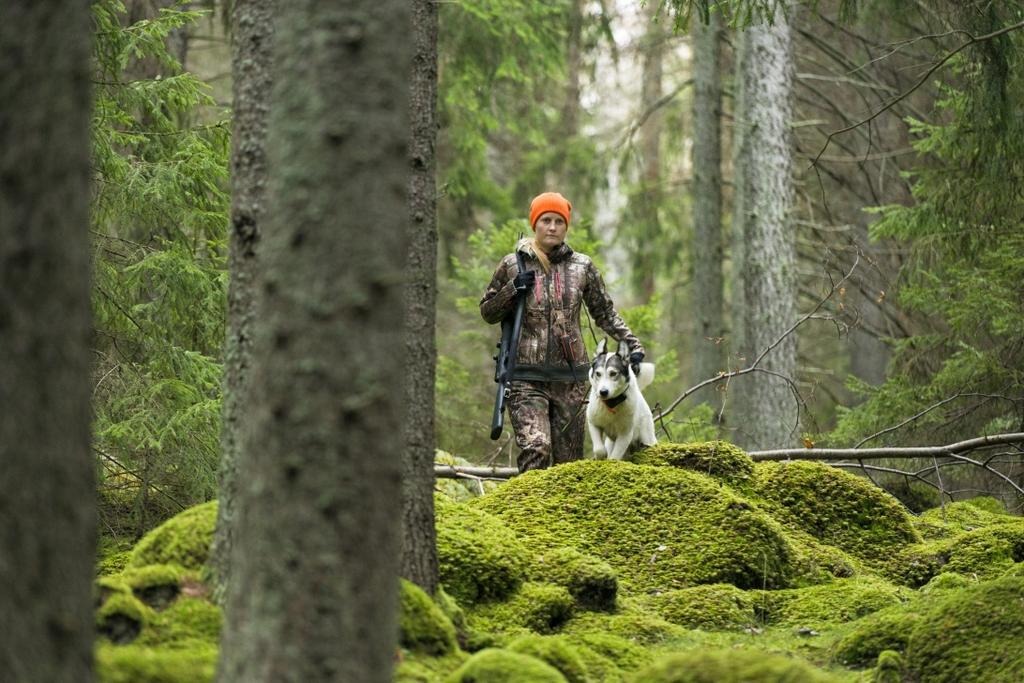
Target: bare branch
{"points": [[906, 93]]}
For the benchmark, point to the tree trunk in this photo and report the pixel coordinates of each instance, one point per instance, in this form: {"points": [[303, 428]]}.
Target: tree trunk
{"points": [[735, 392], [251, 56], [313, 593], [765, 162], [47, 488], [419, 549], [648, 197], [708, 350]]}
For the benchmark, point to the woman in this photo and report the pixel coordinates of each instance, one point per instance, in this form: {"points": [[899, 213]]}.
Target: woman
{"points": [[550, 377]]}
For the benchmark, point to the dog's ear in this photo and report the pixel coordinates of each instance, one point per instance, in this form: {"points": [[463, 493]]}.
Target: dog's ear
{"points": [[602, 347], [622, 350]]}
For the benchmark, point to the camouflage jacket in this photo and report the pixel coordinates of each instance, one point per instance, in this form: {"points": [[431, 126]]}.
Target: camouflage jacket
{"points": [[551, 343]]}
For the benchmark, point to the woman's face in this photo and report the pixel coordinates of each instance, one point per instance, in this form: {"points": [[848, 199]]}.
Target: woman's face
{"points": [[551, 229]]}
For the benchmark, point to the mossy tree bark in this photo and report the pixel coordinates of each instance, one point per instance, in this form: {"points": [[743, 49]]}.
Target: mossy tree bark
{"points": [[419, 538], [251, 56], [769, 244], [47, 488], [313, 592], [708, 308]]}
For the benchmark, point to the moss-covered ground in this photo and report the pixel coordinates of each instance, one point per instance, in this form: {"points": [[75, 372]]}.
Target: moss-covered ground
{"points": [[691, 564]]}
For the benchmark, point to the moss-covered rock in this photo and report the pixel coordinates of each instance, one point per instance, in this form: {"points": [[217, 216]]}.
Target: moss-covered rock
{"points": [[715, 607], [658, 527], [955, 518], [479, 558], [973, 634], [538, 607], [731, 666], [121, 617], [590, 580], [138, 664], [416, 667], [608, 657], [836, 507], [718, 459], [984, 553], [183, 624], [831, 603], [183, 540], [633, 624], [889, 668], [157, 585], [887, 629], [423, 625], [945, 582], [557, 651], [503, 666]]}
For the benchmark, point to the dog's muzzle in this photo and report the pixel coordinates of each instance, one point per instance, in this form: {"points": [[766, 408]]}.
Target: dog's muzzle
{"points": [[604, 393]]}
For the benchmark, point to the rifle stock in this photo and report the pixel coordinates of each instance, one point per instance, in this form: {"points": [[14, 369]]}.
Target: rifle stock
{"points": [[506, 358]]}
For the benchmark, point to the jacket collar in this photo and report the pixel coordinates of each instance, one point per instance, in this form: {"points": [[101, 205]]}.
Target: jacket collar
{"points": [[560, 253]]}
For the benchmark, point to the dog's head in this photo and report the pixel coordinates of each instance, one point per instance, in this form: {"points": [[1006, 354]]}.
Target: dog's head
{"points": [[610, 372]]}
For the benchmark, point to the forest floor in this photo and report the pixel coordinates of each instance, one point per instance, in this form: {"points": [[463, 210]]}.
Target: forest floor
{"points": [[690, 564]]}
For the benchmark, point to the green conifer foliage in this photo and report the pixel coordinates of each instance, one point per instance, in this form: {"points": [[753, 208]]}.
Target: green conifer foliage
{"points": [[159, 229], [967, 251]]}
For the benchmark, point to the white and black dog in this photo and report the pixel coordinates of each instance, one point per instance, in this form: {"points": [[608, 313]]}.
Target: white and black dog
{"points": [[618, 417]]}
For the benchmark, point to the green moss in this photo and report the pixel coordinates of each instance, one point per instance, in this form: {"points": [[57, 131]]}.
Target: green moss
{"points": [[183, 540], [983, 553], [480, 559], [590, 580], [632, 623], [460, 490], [121, 617], [716, 607], [608, 657], [887, 629], [730, 666], [973, 634], [717, 459], [455, 614], [889, 668], [136, 664], [557, 651], [836, 507], [423, 625], [502, 666], [538, 607], [415, 667], [831, 603], [962, 516], [945, 582], [183, 624], [659, 528], [113, 554]]}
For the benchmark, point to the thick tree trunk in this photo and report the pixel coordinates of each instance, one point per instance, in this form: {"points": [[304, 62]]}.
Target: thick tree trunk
{"points": [[648, 198], [708, 308], [47, 490], [419, 549], [313, 593], [765, 162], [739, 353], [251, 57]]}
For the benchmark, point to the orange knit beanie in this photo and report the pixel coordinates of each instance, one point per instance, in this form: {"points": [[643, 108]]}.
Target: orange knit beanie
{"points": [[549, 201]]}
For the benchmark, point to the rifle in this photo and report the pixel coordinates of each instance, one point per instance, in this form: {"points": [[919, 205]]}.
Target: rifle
{"points": [[505, 361]]}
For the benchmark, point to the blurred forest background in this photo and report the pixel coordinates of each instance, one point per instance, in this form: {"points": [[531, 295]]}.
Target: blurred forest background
{"points": [[905, 226]]}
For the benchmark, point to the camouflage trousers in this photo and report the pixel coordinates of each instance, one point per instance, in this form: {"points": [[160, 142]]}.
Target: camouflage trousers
{"points": [[548, 419]]}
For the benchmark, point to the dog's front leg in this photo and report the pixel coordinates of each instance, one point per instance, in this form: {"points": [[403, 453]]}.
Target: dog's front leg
{"points": [[618, 449], [597, 438]]}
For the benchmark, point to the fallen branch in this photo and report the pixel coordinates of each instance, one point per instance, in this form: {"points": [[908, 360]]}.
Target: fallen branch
{"points": [[955, 451], [895, 452]]}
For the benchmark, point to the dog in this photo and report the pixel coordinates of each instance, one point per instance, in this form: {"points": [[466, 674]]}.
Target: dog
{"points": [[618, 417]]}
